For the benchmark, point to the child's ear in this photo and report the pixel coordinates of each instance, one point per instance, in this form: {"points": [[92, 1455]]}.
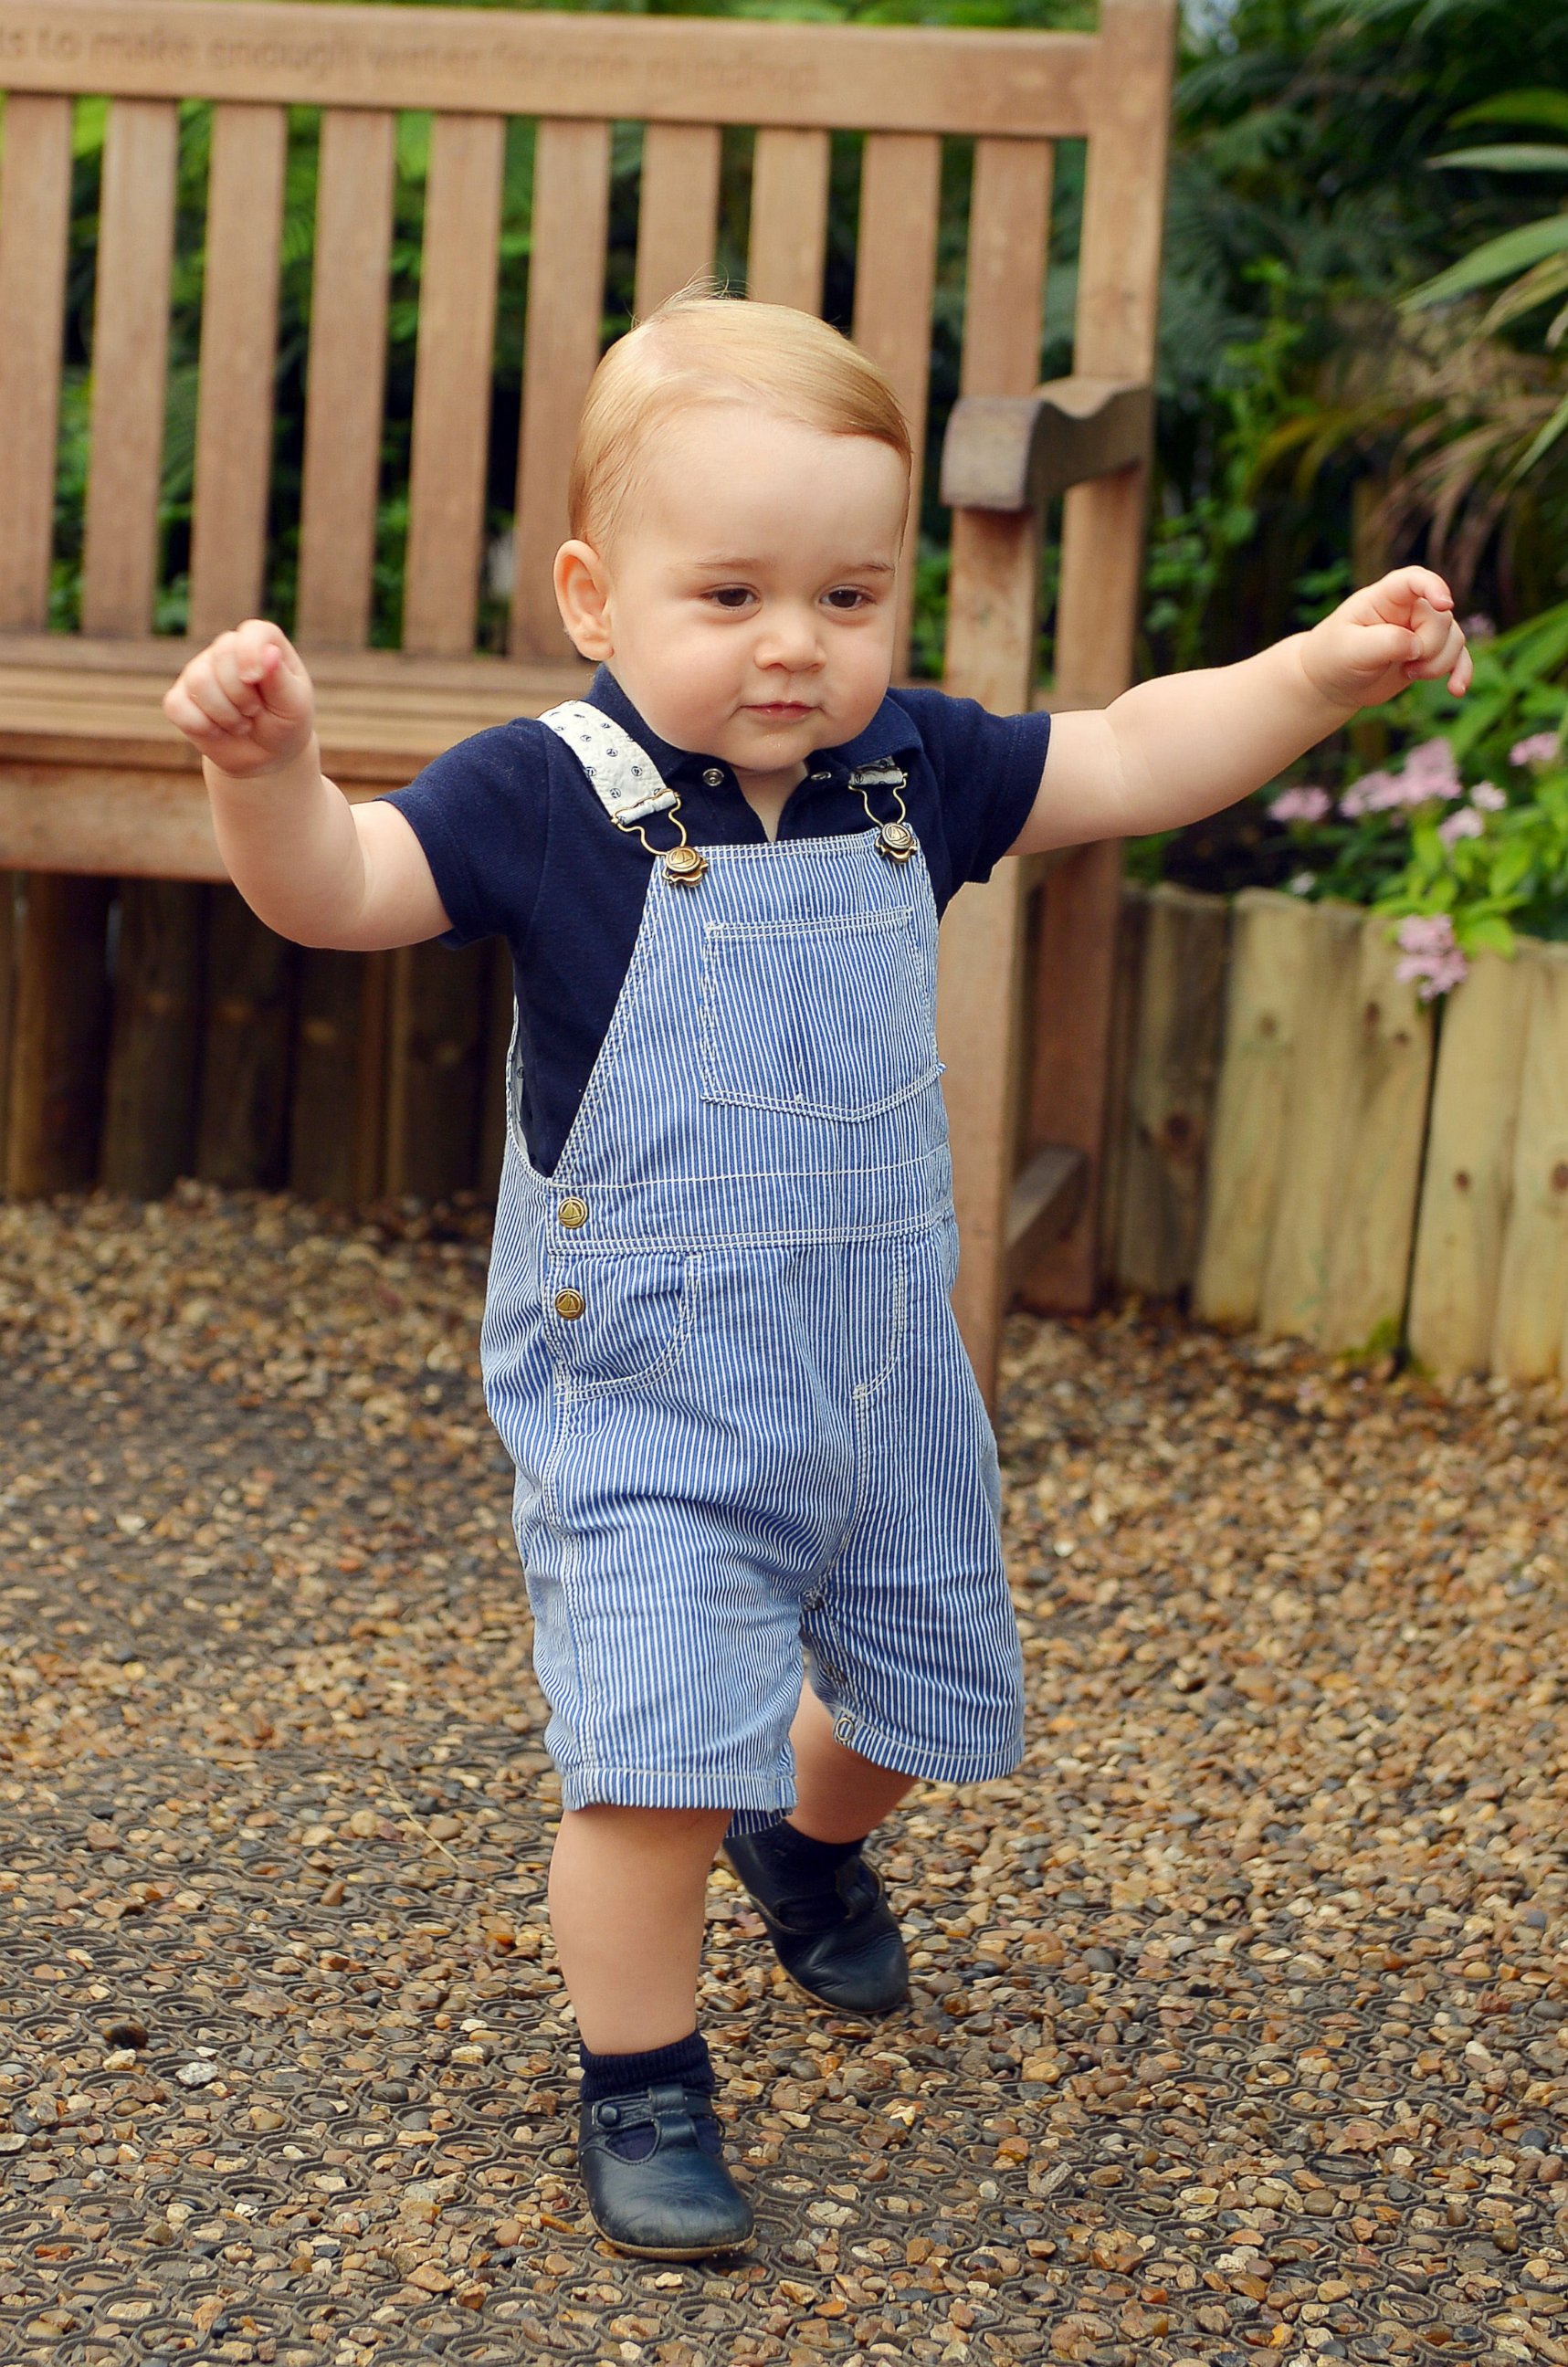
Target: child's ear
{"points": [[582, 594]]}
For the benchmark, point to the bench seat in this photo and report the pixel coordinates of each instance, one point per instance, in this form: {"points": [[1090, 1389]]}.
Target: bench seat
{"points": [[92, 776]]}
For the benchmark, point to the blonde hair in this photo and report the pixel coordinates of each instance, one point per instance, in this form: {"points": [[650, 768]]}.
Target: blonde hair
{"points": [[700, 346]]}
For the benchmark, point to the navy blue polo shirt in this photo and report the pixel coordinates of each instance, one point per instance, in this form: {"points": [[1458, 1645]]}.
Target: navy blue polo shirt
{"points": [[521, 848]]}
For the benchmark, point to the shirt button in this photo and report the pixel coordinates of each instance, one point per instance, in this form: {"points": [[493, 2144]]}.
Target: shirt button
{"points": [[822, 776], [573, 1212], [569, 1304], [714, 776]]}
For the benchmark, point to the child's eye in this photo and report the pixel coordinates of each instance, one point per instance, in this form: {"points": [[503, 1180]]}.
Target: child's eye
{"points": [[848, 598], [729, 595]]}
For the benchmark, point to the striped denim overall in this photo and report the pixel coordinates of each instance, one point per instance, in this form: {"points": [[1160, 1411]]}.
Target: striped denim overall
{"points": [[719, 1345]]}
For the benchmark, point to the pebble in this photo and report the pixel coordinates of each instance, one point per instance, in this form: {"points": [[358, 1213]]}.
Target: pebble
{"points": [[1238, 1977]]}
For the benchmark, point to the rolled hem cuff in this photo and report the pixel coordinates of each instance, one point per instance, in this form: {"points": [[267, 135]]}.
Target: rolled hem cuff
{"points": [[904, 1758], [754, 1801]]}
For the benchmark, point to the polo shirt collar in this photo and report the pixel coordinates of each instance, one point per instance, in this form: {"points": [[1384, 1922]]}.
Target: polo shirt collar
{"points": [[890, 732]]}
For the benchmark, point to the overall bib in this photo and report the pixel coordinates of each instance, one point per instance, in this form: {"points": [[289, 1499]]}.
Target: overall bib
{"points": [[718, 1346]]}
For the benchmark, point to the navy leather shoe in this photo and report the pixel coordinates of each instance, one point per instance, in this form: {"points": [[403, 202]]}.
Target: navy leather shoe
{"points": [[838, 1941], [672, 2200]]}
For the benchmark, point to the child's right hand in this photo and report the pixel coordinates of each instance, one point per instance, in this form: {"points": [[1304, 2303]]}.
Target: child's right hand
{"points": [[246, 703]]}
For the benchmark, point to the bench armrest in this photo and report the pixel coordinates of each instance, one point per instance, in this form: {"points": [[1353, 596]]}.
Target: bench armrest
{"points": [[1012, 452]]}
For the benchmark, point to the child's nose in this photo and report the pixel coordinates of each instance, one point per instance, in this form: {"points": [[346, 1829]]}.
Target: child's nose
{"points": [[788, 638]]}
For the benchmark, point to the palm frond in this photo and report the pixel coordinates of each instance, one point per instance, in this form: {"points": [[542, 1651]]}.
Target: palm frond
{"points": [[1534, 286], [1521, 156], [1548, 109], [1543, 442], [1493, 260]]}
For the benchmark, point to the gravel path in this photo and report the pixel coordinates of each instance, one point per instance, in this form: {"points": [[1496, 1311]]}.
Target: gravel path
{"points": [[1241, 2010]]}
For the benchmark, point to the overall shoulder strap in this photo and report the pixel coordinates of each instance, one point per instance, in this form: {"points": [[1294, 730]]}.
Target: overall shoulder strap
{"points": [[624, 777]]}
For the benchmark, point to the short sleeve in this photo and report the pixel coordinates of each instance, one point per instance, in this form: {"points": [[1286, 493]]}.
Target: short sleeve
{"points": [[987, 770], [480, 813]]}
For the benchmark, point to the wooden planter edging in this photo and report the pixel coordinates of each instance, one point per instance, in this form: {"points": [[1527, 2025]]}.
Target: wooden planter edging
{"points": [[1299, 1142], [221, 1051]]}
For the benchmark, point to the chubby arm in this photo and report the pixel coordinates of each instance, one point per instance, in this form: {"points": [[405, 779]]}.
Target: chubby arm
{"points": [[309, 864], [1171, 751]]}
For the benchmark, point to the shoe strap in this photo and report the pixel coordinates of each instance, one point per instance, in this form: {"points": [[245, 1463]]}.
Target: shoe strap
{"points": [[668, 2106], [860, 1873]]}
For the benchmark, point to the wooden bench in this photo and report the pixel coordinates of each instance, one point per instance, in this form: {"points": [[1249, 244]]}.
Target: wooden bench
{"points": [[95, 789]]}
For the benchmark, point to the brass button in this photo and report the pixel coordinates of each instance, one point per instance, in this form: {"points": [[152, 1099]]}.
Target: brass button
{"points": [[896, 841], [713, 778], [685, 867], [570, 1303], [573, 1212]]}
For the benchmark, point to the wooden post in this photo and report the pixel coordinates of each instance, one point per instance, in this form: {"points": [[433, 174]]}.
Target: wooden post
{"points": [[335, 1145], [150, 1104], [435, 1045], [992, 615], [990, 656], [1102, 565], [8, 885], [1175, 1065], [1271, 938], [1467, 1194], [1528, 1337], [1339, 1254], [1369, 1271], [60, 1036], [1127, 989], [1295, 1271], [240, 1132]]}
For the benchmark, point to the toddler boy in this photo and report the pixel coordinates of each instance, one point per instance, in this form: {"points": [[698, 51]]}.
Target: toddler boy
{"points": [[757, 1490]]}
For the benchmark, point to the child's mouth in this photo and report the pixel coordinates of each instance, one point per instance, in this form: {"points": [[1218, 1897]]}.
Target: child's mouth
{"points": [[784, 708]]}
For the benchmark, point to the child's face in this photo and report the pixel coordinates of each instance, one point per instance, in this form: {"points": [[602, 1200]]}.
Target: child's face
{"points": [[747, 599]]}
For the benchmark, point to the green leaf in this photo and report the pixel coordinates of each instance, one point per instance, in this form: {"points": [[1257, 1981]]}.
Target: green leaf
{"points": [[1488, 935], [1514, 251], [1549, 109], [1526, 157], [1544, 441]]}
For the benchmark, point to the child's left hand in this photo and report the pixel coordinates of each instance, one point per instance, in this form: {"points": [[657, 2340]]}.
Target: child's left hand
{"points": [[1391, 633]]}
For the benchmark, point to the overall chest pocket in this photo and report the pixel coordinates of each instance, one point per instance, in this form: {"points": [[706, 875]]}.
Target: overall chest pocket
{"points": [[618, 1322], [818, 1018]]}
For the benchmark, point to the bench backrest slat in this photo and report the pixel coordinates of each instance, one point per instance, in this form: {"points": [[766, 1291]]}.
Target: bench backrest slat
{"points": [[787, 251], [882, 78], [895, 269], [239, 346], [451, 388], [561, 351], [1009, 218], [131, 333], [677, 213], [35, 228], [345, 380]]}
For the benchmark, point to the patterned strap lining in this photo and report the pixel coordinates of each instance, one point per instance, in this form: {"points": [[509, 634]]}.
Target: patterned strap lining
{"points": [[625, 778]]}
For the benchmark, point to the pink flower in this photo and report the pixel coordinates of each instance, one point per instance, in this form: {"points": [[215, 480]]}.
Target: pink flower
{"points": [[1430, 771], [1301, 805], [1373, 793], [1480, 628], [1302, 884], [1431, 956], [1540, 748], [1465, 824], [1488, 797]]}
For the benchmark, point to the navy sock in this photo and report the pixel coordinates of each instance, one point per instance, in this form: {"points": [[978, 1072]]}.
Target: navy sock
{"points": [[628, 2075], [795, 1853]]}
